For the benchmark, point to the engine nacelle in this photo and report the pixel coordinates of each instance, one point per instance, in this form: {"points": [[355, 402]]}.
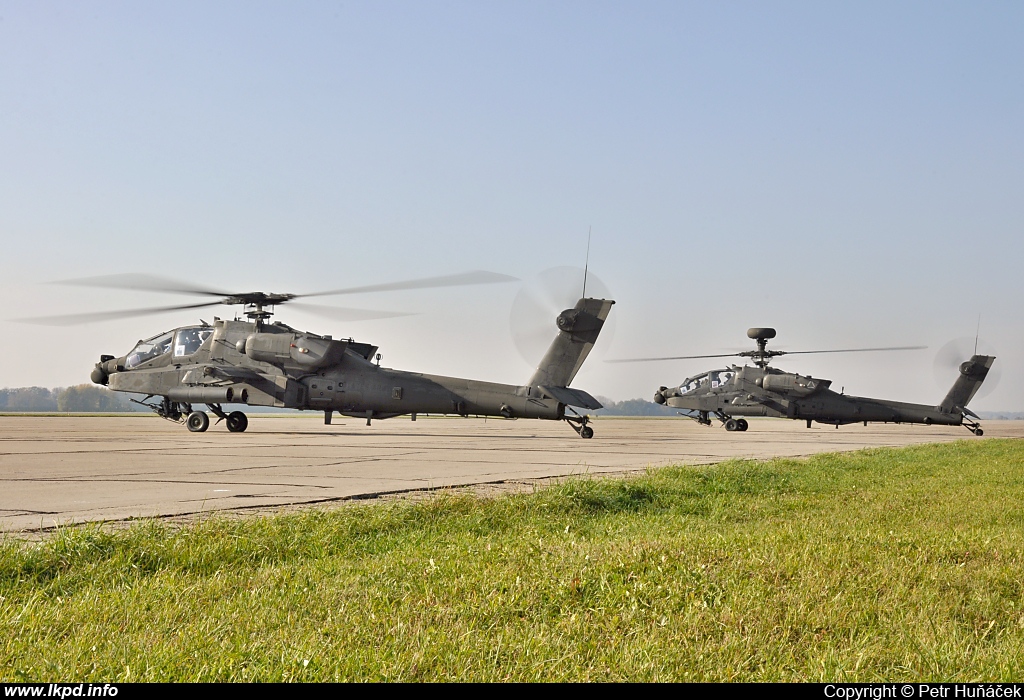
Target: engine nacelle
{"points": [[793, 384], [274, 348], [288, 348], [313, 353]]}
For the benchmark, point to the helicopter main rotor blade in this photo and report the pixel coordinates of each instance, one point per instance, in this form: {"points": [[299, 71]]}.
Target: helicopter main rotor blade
{"points": [[681, 357], [818, 352], [149, 283], [75, 319], [767, 353], [340, 313], [465, 278]]}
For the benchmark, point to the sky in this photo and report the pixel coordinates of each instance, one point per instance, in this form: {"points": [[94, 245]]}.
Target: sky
{"points": [[848, 173]]}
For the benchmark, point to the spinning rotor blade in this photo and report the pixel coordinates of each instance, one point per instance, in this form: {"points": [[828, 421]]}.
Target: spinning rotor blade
{"points": [[818, 352], [681, 357], [766, 353], [952, 354], [465, 278], [340, 313], [259, 300], [149, 283], [541, 299], [76, 319]]}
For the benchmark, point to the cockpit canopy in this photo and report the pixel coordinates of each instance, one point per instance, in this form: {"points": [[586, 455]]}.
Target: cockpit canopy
{"points": [[709, 380], [186, 342], [189, 340]]}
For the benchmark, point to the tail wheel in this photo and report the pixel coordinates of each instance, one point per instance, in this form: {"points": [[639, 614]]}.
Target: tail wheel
{"points": [[979, 432], [237, 422], [731, 425], [197, 422], [742, 425], [586, 432]]}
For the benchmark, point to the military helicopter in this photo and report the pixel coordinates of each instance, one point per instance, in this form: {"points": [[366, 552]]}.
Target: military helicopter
{"points": [[262, 363], [765, 391]]}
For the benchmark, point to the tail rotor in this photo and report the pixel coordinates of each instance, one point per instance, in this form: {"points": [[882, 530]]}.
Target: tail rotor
{"points": [[951, 355], [540, 301]]}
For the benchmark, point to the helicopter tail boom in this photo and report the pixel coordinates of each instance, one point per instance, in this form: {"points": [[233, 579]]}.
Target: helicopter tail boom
{"points": [[972, 374], [578, 329]]}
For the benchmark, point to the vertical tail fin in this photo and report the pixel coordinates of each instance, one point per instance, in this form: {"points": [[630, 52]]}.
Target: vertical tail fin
{"points": [[972, 374], [578, 329]]}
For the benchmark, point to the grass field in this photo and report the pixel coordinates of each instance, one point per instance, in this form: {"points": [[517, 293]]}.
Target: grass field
{"points": [[889, 564]]}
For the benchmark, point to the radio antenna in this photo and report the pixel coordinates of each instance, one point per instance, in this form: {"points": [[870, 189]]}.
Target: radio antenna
{"points": [[586, 264]]}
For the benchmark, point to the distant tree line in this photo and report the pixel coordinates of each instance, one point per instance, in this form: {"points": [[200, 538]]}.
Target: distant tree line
{"points": [[632, 407], [85, 398]]}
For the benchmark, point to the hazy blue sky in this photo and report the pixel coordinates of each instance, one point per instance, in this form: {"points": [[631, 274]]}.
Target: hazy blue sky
{"points": [[852, 174]]}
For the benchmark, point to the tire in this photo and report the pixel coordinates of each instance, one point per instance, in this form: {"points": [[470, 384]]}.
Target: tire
{"points": [[197, 422], [586, 432], [731, 425], [237, 422], [742, 425], [979, 432]]}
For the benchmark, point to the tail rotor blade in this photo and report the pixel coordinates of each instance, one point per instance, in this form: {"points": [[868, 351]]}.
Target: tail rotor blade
{"points": [[541, 299], [952, 354]]}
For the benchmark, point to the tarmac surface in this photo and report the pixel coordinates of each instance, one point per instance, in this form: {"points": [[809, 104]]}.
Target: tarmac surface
{"points": [[62, 470]]}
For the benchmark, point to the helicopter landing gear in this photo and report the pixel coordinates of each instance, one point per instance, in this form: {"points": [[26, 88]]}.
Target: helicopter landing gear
{"points": [[579, 424], [974, 427], [733, 424], [197, 422], [236, 420]]}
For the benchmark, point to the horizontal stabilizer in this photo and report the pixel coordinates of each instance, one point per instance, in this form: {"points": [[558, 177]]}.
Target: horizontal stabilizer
{"points": [[572, 397]]}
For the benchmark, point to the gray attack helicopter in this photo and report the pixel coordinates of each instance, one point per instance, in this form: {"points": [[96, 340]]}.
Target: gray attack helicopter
{"points": [[259, 363], [765, 391]]}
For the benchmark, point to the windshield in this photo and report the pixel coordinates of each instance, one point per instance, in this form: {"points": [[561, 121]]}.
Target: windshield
{"points": [[146, 350], [693, 384], [721, 377], [708, 380], [190, 339]]}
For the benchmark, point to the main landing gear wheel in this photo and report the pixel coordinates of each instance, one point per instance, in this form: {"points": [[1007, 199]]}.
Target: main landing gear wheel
{"points": [[579, 424], [237, 422], [197, 422], [732, 425], [742, 425]]}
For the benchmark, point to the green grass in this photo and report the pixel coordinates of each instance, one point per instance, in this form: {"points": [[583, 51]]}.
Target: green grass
{"points": [[889, 564]]}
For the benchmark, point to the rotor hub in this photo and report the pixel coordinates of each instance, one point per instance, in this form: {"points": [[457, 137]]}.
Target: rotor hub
{"points": [[762, 356]]}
